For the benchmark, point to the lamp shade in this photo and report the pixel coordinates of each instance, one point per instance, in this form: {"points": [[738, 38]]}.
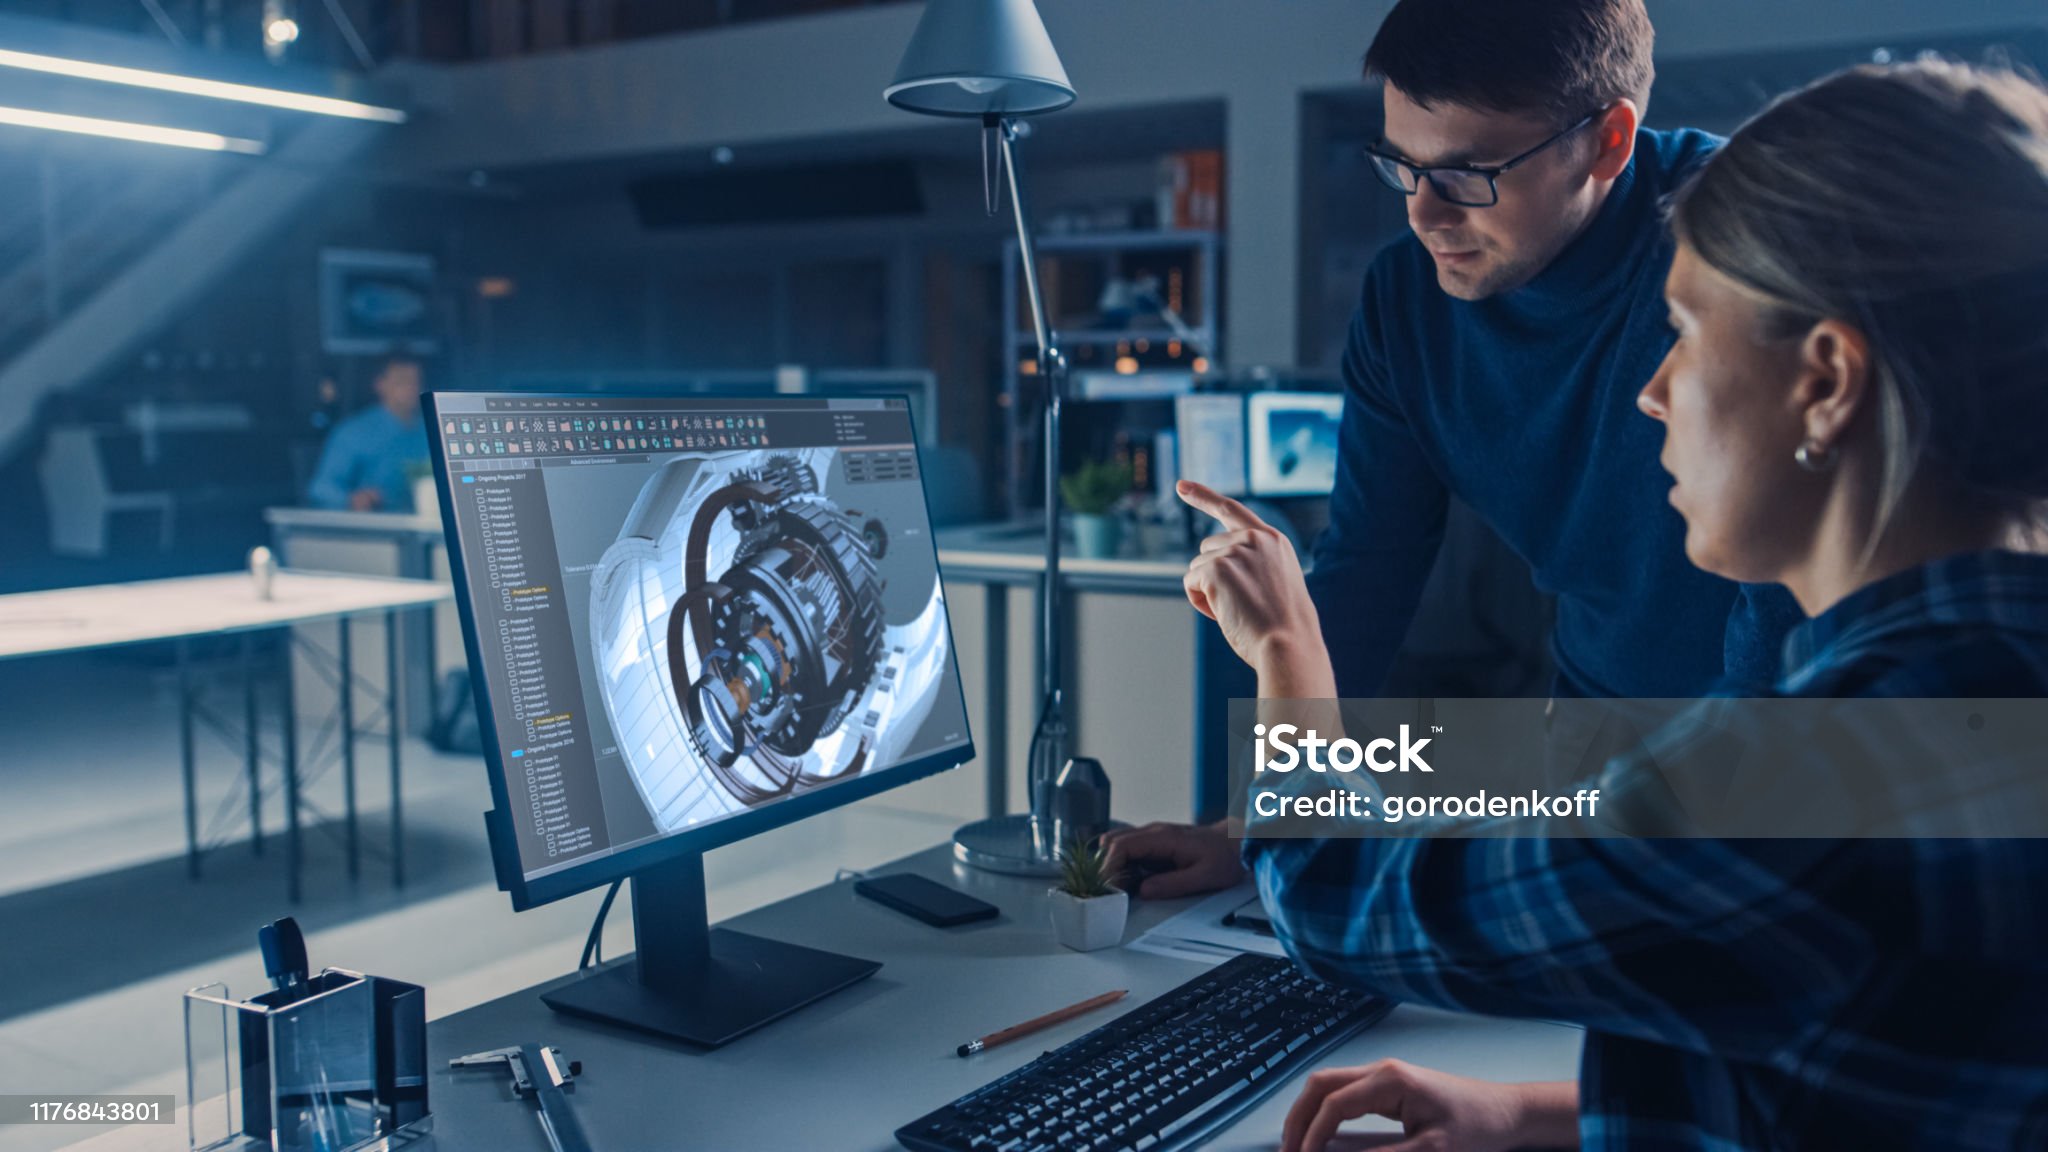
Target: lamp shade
{"points": [[980, 58]]}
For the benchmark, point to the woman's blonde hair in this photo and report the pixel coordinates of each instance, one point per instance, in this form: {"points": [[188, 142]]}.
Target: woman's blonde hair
{"points": [[1910, 201]]}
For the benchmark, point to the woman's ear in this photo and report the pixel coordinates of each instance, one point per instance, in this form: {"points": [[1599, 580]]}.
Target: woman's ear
{"points": [[1835, 380], [1614, 134]]}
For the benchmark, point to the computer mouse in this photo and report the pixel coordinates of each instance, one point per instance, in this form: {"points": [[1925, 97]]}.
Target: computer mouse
{"points": [[1136, 872]]}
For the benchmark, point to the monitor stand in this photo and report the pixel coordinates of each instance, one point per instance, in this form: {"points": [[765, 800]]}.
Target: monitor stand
{"points": [[691, 982]]}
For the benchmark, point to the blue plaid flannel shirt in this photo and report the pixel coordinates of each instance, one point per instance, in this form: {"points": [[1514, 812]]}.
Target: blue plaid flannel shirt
{"points": [[1746, 994]]}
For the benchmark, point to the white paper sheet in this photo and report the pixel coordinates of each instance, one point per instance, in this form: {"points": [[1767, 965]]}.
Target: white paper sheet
{"points": [[1199, 933]]}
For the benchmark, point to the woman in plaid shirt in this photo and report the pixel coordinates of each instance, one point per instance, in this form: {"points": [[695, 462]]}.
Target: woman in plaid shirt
{"points": [[1854, 409]]}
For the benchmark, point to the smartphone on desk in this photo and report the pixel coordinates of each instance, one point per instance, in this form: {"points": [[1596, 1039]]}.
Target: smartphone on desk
{"points": [[927, 900]]}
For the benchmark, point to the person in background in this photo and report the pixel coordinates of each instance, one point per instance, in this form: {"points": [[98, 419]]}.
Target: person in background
{"points": [[1495, 356], [1854, 408], [370, 458]]}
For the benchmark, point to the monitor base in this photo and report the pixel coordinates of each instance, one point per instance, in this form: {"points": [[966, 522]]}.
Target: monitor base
{"points": [[695, 983], [749, 981]]}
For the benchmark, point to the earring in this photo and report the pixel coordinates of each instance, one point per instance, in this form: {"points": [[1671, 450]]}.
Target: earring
{"points": [[1815, 456]]}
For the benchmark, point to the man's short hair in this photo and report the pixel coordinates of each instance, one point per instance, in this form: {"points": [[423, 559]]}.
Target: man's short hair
{"points": [[392, 360], [1561, 58]]}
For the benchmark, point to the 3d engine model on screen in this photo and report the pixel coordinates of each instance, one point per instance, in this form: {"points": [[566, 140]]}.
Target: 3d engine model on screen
{"points": [[787, 639], [743, 634]]}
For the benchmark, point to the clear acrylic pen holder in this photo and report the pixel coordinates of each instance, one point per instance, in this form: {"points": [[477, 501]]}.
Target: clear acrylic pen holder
{"points": [[337, 1066]]}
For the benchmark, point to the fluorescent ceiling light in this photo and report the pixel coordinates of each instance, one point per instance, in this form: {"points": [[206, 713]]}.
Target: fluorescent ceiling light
{"points": [[125, 130], [194, 86]]}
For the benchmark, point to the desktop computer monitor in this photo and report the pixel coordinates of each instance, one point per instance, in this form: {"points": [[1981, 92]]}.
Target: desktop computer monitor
{"points": [[1292, 442], [1209, 435], [689, 620]]}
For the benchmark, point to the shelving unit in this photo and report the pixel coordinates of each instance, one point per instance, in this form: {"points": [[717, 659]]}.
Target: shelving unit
{"points": [[1073, 270]]}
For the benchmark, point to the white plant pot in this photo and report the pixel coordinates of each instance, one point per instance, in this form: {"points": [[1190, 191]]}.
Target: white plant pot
{"points": [[1086, 925]]}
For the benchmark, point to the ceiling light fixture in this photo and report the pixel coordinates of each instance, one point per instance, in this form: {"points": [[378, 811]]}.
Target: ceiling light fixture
{"points": [[280, 29], [195, 86], [126, 130]]}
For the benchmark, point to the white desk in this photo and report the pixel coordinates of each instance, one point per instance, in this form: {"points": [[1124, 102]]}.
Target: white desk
{"points": [[178, 610], [1184, 655], [845, 1072], [339, 521]]}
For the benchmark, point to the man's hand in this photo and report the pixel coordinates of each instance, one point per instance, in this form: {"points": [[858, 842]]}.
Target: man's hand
{"points": [[1198, 858], [365, 500], [1248, 579], [1437, 1111]]}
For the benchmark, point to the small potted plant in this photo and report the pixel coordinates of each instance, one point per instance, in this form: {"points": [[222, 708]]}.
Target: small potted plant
{"points": [[1091, 492], [1087, 910]]}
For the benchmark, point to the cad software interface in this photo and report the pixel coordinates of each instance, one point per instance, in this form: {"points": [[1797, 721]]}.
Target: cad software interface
{"points": [[690, 608]]}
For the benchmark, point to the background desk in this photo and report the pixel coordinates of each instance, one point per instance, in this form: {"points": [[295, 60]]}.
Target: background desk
{"points": [[182, 609], [1147, 681], [846, 1071]]}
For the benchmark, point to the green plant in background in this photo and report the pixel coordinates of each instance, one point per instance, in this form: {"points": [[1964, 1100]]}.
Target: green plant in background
{"points": [[1084, 870], [1095, 487]]}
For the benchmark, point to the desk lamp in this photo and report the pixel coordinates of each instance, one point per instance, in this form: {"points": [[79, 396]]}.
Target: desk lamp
{"points": [[990, 60]]}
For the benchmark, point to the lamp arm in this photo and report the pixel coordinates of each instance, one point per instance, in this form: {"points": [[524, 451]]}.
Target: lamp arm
{"points": [[1027, 250], [1053, 367]]}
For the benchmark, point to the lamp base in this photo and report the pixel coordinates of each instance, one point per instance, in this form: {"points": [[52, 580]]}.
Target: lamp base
{"points": [[1004, 844]]}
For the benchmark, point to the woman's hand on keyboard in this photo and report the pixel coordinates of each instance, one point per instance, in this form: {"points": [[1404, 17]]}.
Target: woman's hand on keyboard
{"points": [[1436, 1110]]}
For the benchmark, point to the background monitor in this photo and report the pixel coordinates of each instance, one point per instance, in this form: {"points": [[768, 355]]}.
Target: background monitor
{"points": [[374, 303], [690, 620], [1210, 434], [1291, 438]]}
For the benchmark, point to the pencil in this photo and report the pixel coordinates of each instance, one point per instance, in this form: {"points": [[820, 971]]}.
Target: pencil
{"points": [[1035, 1024]]}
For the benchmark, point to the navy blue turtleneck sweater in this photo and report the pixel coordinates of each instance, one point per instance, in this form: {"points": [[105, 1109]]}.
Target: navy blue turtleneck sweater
{"points": [[1524, 405]]}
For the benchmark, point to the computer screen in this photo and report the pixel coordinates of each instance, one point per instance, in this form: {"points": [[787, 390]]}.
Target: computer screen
{"points": [[1210, 430], [1292, 441], [695, 618]]}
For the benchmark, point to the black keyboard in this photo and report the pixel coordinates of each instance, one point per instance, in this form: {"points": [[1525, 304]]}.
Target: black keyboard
{"points": [[1166, 1075]]}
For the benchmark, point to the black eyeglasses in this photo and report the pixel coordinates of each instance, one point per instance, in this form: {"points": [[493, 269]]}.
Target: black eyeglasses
{"points": [[1467, 185]]}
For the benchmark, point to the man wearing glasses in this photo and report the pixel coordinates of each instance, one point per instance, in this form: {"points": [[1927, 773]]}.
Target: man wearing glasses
{"points": [[1496, 355]]}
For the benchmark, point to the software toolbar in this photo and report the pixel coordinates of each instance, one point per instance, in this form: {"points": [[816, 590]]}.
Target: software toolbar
{"points": [[552, 435], [494, 433]]}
